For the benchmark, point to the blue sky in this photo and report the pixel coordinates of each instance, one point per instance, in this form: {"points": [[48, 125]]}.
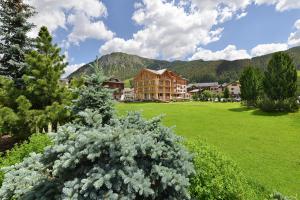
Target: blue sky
{"points": [[168, 29]]}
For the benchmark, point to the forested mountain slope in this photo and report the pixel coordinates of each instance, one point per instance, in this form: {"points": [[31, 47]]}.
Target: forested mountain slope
{"points": [[125, 66]]}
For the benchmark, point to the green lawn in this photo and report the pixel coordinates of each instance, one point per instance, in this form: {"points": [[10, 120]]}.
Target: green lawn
{"points": [[266, 147]]}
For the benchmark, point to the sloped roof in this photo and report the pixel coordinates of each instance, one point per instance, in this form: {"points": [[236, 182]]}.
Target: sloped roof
{"points": [[194, 91], [213, 84], [159, 72]]}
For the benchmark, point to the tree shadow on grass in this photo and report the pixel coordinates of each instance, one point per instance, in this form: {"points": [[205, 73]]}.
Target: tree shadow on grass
{"points": [[258, 112], [271, 114], [241, 109]]}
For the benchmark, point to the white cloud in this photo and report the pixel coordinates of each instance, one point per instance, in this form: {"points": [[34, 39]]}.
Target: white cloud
{"points": [[263, 49], [173, 30], [65, 14], [128, 46], [229, 53], [85, 28], [281, 5], [294, 38], [170, 29], [297, 24], [72, 68], [244, 14]]}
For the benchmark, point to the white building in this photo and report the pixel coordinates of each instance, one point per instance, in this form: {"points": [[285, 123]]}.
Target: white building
{"points": [[128, 94], [234, 89]]}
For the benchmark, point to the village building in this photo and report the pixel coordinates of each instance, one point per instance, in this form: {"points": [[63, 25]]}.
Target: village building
{"points": [[128, 94], [221, 88], [116, 85], [234, 89], [200, 87], [160, 85]]}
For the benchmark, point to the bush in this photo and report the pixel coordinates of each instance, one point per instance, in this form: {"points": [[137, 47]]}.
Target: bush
{"points": [[129, 159], [206, 95], [36, 143], [286, 105], [217, 177], [279, 196]]}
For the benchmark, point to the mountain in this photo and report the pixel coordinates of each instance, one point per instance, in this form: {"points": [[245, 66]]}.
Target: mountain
{"points": [[125, 66]]}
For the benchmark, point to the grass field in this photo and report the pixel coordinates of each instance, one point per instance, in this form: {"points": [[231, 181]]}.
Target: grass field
{"points": [[266, 147]]}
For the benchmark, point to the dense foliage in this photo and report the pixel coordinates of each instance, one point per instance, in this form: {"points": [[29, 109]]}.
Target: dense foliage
{"points": [[251, 85], [279, 196], [36, 143], [42, 100], [133, 159], [217, 177], [45, 67], [280, 77], [15, 43], [280, 84], [205, 95], [99, 156], [92, 95]]}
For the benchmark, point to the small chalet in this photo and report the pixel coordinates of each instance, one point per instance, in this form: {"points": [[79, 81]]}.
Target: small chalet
{"points": [[234, 88], [116, 85], [203, 86]]}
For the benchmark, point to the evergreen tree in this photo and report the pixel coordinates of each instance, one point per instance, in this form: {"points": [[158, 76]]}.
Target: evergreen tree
{"points": [[280, 80], [251, 83], [45, 67], [15, 43], [280, 85], [131, 159], [92, 95], [43, 99], [226, 93]]}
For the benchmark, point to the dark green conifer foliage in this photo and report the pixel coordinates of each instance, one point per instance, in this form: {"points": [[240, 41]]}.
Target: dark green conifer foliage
{"points": [[251, 85], [15, 43], [45, 67], [43, 99], [226, 93], [280, 80], [92, 95]]}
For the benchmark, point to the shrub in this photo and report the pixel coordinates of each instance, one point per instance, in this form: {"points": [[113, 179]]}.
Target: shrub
{"points": [[279, 196], [204, 96], [285, 105], [131, 159], [217, 177], [36, 143]]}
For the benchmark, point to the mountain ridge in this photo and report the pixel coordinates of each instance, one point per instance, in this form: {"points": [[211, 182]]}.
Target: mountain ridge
{"points": [[125, 66]]}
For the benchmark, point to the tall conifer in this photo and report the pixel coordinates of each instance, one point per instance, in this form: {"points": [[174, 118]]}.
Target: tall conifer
{"points": [[15, 43], [251, 83], [280, 80], [45, 67]]}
